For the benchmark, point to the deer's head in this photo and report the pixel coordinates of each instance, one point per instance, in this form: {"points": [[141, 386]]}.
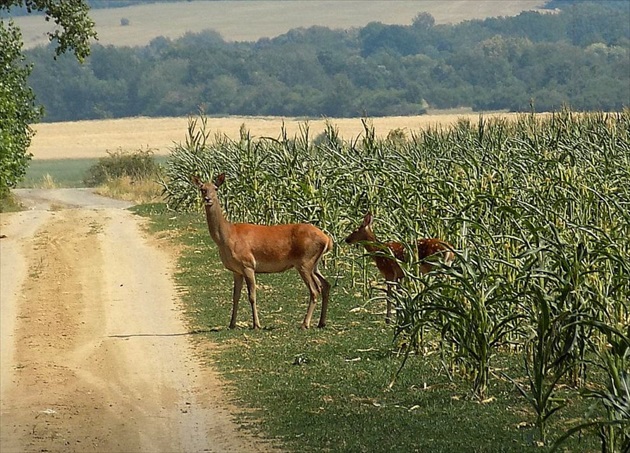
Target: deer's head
{"points": [[208, 189], [363, 231]]}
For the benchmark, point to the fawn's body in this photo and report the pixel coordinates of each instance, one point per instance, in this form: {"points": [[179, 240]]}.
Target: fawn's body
{"points": [[386, 264]]}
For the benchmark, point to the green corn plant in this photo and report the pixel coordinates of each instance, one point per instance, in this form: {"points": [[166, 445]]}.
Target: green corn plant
{"points": [[544, 367], [613, 429], [462, 304], [538, 210], [186, 160]]}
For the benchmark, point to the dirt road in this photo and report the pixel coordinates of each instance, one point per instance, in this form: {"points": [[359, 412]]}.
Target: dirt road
{"points": [[95, 357]]}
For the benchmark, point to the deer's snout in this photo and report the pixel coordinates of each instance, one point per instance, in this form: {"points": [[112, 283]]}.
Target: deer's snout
{"points": [[207, 201]]}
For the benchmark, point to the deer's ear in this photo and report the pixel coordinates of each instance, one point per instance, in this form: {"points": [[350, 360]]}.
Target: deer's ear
{"points": [[220, 180], [368, 219], [195, 180]]}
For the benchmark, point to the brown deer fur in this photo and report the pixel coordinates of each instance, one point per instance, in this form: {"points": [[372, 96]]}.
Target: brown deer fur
{"points": [[247, 249], [388, 266]]}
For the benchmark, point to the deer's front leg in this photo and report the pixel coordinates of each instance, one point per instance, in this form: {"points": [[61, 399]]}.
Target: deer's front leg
{"points": [[236, 295], [390, 293], [250, 279]]}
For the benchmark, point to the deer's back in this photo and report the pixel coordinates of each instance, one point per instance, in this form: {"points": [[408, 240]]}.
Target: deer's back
{"points": [[388, 266], [274, 248], [434, 246]]}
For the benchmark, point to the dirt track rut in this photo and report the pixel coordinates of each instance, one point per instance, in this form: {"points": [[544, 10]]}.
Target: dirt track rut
{"points": [[95, 357]]}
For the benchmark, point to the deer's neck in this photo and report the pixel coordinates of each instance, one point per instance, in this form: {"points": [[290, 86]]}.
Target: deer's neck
{"points": [[372, 244], [218, 226]]}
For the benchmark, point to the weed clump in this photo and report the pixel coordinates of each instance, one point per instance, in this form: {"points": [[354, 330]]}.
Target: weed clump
{"points": [[137, 165]]}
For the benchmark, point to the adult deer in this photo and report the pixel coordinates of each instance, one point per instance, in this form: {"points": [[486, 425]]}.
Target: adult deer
{"points": [[387, 265], [247, 249]]}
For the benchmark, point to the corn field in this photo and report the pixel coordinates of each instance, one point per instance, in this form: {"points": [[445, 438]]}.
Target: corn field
{"points": [[538, 213]]}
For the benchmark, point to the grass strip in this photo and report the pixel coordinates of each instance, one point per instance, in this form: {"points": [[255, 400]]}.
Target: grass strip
{"points": [[327, 389]]}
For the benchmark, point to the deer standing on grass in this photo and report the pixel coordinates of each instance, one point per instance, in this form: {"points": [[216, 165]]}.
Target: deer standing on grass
{"points": [[388, 266], [247, 249]]}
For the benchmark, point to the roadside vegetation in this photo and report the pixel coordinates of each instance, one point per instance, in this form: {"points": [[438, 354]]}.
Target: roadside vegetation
{"points": [[125, 175], [522, 343], [18, 109], [131, 176], [8, 203]]}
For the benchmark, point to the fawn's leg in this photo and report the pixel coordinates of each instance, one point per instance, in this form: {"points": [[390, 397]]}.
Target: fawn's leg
{"points": [[388, 314]]}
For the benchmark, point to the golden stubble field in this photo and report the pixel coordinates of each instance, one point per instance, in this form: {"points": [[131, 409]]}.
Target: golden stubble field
{"points": [[93, 139], [247, 20]]}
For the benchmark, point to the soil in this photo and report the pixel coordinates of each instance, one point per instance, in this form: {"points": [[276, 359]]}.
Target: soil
{"points": [[95, 356]]}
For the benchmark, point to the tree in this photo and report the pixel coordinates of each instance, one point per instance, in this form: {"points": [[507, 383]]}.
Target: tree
{"points": [[423, 21], [18, 109]]}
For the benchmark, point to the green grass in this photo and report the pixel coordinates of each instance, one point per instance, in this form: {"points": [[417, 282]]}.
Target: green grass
{"points": [[64, 172], [9, 204], [327, 389]]}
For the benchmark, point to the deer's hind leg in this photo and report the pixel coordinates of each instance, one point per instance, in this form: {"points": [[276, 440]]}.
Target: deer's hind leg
{"points": [[313, 285], [324, 288]]}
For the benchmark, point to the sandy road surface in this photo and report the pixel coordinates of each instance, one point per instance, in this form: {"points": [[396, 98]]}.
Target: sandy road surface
{"points": [[94, 355]]}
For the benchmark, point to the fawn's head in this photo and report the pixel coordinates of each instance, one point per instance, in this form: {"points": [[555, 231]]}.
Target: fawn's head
{"points": [[208, 190], [363, 231]]}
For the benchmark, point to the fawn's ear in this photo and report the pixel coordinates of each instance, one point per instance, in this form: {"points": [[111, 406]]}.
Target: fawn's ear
{"points": [[368, 219], [220, 180], [195, 180]]}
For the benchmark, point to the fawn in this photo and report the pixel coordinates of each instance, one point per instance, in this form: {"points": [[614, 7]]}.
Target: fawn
{"points": [[387, 265]]}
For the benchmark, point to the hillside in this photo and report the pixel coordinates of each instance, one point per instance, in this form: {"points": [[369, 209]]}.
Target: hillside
{"points": [[251, 20], [516, 63]]}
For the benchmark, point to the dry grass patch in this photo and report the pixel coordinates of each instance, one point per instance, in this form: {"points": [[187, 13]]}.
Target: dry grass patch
{"points": [[47, 182], [140, 191]]}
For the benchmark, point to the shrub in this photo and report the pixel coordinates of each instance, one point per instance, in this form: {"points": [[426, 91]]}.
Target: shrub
{"points": [[136, 165]]}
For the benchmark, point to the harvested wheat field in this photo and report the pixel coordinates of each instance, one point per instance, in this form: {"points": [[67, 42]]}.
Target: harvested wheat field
{"points": [[93, 139]]}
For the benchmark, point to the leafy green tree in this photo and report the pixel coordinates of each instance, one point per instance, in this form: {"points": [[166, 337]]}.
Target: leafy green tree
{"points": [[18, 109]]}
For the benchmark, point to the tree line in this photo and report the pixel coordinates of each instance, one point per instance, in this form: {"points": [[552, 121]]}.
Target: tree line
{"points": [[577, 56]]}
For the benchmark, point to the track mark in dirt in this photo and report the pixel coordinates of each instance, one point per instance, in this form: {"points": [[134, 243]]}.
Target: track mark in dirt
{"points": [[101, 361]]}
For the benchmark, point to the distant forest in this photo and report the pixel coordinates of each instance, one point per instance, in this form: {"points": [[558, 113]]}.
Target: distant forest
{"points": [[578, 56]]}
